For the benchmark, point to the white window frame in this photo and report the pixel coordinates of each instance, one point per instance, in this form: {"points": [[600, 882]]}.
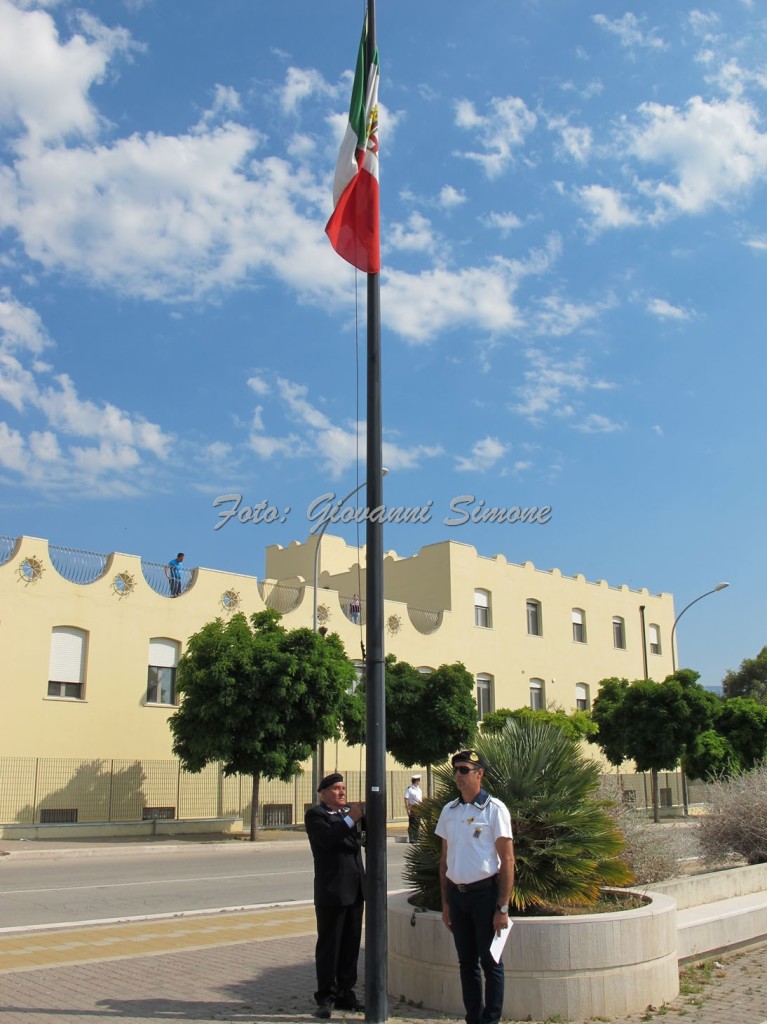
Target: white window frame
{"points": [[582, 698], [579, 625], [619, 633], [161, 671], [483, 617], [66, 665], [534, 611], [653, 634], [485, 694], [537, 694]]}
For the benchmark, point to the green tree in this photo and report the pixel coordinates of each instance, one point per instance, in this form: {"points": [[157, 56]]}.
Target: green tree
{"points": [[736, 743], [652, 723], [750, 680], [611, 736], [565, 844], [257, 698], [578, 725], [428, 717]]}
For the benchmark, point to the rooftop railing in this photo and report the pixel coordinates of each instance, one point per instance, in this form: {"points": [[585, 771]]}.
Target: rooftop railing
{"points": [[78, 566], [156, 577], [7, 545]]}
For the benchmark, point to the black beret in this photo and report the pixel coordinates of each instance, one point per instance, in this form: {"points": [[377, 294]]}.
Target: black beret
{"points": [[330, 780], [471, 756]]}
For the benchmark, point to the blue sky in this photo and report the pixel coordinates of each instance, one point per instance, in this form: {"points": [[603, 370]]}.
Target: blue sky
{"points": [[573, 284]]}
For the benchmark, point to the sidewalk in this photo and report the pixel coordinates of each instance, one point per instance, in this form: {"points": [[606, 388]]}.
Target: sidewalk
{"points": [[254, 967]]}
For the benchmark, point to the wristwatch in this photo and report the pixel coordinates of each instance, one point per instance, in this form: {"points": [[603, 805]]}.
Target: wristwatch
{"points": [[502, 909]]}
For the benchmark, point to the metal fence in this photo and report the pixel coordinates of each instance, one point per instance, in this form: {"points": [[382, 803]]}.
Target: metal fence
{"points": [[78, 566], [40, 790]]}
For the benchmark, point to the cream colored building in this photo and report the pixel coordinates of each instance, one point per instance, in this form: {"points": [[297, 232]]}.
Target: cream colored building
{"points": [[89, 645]]}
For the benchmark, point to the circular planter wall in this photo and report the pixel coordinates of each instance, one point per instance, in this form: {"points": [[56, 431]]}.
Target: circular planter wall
{"points": [[586, 965]]}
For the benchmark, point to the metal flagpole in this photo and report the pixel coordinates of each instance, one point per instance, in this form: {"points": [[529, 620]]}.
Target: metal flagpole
{"points": [[376, 945]]}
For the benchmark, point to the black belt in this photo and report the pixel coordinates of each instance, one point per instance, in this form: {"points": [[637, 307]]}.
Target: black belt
{"points": [[483, 883]]}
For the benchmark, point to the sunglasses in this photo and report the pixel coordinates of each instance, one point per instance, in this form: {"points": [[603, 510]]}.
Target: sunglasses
{"points": [[464, 769]]}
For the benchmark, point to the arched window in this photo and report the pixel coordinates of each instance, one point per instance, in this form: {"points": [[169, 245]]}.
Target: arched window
{"points": [[537, 695], [619, 632], [485, 696], [66, 669], [161, 674], [482, 609], [579, 626], [582, 701], [534, 618]]}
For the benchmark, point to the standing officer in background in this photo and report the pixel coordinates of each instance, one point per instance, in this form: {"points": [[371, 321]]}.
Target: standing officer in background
{"points": [[476, 876], [413, 797], [335, 836]]}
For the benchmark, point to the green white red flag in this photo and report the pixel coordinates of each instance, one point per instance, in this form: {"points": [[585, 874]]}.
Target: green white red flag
{"points": [[353, 228]]}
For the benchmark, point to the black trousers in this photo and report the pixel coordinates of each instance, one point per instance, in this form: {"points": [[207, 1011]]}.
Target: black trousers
{"points": [[339, 931]]}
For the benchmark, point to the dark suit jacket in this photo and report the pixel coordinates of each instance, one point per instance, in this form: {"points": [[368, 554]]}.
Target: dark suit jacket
{"points": [[339, 874]]}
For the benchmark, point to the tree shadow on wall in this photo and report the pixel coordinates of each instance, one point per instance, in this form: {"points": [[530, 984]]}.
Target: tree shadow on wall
{"points": [[85, 791]]}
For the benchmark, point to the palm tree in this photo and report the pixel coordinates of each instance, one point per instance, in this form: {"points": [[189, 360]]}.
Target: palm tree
{"points": [[566, 846]]}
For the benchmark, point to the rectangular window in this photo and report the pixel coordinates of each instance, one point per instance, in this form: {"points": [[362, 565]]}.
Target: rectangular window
{"points": [[161, 685], [582, 697], [484, 696], [537, 696], [619, 633], [66, 668], [579, 626], [654, 640], [482, 609], [161, 673], [534, 618]]}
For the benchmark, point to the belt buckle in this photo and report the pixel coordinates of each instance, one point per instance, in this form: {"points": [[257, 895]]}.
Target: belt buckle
{"points": [[461, 887]]}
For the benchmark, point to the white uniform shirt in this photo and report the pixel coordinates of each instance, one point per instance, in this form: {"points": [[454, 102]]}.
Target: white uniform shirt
{"points": [[413, 795], [471, 831]]}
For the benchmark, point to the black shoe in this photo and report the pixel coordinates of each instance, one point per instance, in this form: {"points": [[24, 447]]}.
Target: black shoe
{"points": [[323, 1009], [349, 1002]]}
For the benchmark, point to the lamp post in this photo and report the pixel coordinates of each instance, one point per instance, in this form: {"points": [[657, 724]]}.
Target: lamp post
{"points": [[714, 590], [318, 768]]}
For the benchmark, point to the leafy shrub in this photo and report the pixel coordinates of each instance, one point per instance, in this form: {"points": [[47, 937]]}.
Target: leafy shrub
{"points": [[736, 825], [566, 846]]}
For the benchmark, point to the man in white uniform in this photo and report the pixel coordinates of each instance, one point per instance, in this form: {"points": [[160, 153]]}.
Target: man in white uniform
{"points": [[476, 877], [413, 797]]}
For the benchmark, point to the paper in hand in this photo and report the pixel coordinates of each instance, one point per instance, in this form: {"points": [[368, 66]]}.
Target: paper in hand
{"points": [[499, 941]]}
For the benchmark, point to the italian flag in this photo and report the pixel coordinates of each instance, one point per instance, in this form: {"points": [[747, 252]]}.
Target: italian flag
{"points": [[353, 228]]}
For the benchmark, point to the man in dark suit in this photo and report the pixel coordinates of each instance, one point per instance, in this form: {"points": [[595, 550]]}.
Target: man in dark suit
{"points": [[335, 836]]}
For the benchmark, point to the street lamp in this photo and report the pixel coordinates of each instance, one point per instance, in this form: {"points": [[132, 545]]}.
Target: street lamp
{"points": [[715, 590], [321, 534], [318, 768]]}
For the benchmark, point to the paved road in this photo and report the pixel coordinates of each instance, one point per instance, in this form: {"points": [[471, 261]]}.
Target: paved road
{"points": [[77, 889]]}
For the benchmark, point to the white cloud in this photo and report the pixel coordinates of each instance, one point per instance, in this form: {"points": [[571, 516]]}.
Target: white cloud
{"points": [[484, 455], [499, 132], [43, 82], [414, 236], [575, 141], [301, 84], [607, 206], [665, 311], [548, 383], [557, 317], [630, 32], [338, 446], [450, 197], [20, 326], [714, 151], [503, 222], [423, 306], [596, 424]]}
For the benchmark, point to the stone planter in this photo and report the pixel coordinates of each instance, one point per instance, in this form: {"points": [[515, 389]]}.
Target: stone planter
{"points": [[586, 965]]}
